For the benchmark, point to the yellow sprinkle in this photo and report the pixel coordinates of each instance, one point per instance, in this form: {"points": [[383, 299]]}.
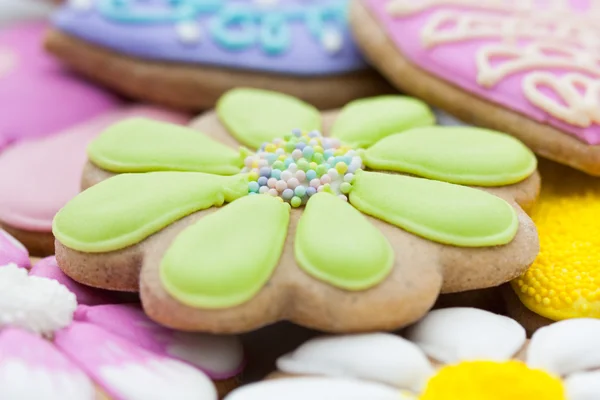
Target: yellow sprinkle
{"points": [[270, 148], [566, 273], [489, 380]]}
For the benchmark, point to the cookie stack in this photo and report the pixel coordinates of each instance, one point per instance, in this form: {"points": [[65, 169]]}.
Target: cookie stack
{"points": [[225, 200]]}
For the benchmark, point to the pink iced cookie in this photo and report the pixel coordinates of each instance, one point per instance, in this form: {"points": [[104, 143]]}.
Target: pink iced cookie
{"points": [[38, 177], [221, 357], [47, 268], [12, 251], [526, 67], [126, 371], [38, 97]]}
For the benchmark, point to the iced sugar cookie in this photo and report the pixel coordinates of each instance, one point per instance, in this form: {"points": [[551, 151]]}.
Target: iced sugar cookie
{"points": [[38, 177], [527, 68], [13, 11], [452, 354], [186, 54], [317, 229], [564, 280], [55, 349], [12, 251], [29, 82]]}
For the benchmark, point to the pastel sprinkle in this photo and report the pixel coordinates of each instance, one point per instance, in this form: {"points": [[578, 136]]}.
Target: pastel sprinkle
{"points": [[301, 164]]}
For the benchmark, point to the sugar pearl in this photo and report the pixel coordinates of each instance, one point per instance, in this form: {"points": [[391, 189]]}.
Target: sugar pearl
{"points": [[281, 186], [293, 168], [345, 187], [253, 186], [349, 177], [343, 197], [292, 183], [286, 175], [287, 194], [262, 181], [310, 191], [311, 174], [265, 171], [300, 191], [273, 192], [263, 189], [271, 182], [296, 201], [296, 154], [300, 175], [315, 183], [325, 179], [263, 163]]}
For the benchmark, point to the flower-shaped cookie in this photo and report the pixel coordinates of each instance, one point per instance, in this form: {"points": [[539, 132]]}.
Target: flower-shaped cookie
{"points": [[563, 282], [452, 354], [39, 176], [187, 53], [354, 240], [53, 349], [528, 68]]}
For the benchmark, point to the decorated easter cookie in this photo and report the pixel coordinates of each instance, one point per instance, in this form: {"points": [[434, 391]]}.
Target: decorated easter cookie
{"points": [[12, 11], [29, 82], [454, 354], [527, 68], [38, 177], [225, 239], [564, 280], [54, 349], [186, 54]]}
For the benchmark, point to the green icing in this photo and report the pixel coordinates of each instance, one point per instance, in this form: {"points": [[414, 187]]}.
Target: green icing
{"points": [[256, 116], [143, 145], [127, 208], [363, 122], [439, 211], [338, 245], [470, 156], [224, 259]]}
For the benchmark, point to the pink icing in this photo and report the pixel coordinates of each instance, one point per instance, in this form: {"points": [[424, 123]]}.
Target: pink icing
{"points": [[456, 63], [47, 268], [11, 251], [33, 351], [39, 177], [123, 369], [37, 96], [220, 356]]}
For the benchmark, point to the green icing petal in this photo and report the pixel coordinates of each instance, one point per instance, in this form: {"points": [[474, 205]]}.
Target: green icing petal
{"points": [[439, 211], [127, 208], [143, 145], [363, 122], [224, 259], [256, 116], [469, 156], [336, 244]]}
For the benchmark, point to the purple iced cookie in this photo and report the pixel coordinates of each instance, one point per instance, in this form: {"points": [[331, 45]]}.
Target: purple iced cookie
{"points": [[298, 37]]}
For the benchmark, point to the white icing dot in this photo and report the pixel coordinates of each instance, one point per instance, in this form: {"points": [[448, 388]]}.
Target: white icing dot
{"points": [[189, 32], [37, 304], [583, 386], [81, 5], [377, 357], [332, 40], [459, 334], [566, 347], [315, 389]]}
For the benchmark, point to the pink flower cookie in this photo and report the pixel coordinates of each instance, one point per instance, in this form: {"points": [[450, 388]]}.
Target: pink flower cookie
{"points": [[451, 354], [12, 251], [38, 177], [115, 351], [529, 68], [31, 80]]}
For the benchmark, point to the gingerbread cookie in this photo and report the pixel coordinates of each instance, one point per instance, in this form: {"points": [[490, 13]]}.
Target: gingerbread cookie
{"points": [[455, 353], [527, 69], [563, 282], [53, 349], [186, 55], [310, 234], [38, 177]]}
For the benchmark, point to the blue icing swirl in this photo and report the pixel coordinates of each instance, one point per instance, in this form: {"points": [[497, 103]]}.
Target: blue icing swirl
{"points": [[234, 26]]}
